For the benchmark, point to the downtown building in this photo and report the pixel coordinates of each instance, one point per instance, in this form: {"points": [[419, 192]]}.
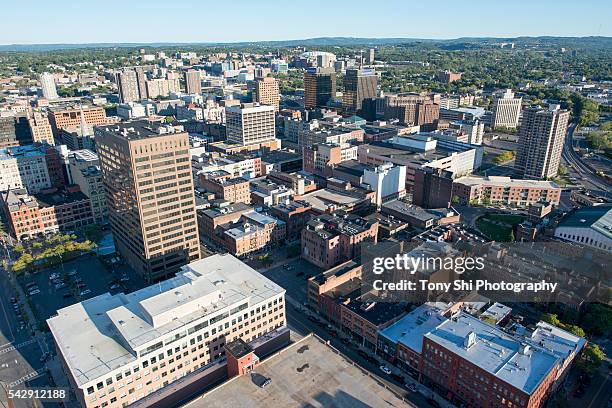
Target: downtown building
{"points": [[84, 170], [193, 82], [476, 363], [319, 87], [251, 124], [267, 92], [359, 85], [47, 86], [150, 195], [41, 129], [506, 110], [76, 117], [500, 190], [118, 349], [413, 109], [540, 143]]}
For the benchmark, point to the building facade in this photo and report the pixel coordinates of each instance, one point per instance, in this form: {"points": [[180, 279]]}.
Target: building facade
{"points": [[506, 110], [250, 123], [84, 171], [504, 191], [150, 195], [267, 92], [359, 84], [319, 87]]}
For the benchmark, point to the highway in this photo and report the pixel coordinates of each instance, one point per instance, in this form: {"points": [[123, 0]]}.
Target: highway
{"points": [[586, 175]]}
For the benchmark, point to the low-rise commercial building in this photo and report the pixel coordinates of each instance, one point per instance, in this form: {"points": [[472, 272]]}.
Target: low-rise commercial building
{"points": [[117, 349], [295, 215], [328, 239], [252, 232], [226, 187], [53, 211], [590, 226]]}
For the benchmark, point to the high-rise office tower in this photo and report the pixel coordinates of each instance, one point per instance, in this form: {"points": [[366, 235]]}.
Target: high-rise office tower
{"points": [[319, 87], [127, 82], [266, 92], [250, 123], [541, 140], [47, 84], [359, 84], [506, 110], [150, 195], [193, 83]]}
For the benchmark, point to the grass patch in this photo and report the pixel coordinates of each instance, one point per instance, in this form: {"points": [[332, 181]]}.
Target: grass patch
{"points": [[499, 227]]}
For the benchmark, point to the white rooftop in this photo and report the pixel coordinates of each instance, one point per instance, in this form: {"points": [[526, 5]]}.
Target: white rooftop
{"points": [[104, 333], [503, 181], [495, 351]]}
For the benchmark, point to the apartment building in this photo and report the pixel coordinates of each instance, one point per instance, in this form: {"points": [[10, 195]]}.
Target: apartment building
{"points": [[47, 85], [118, 349], [505, 191], [506, 110], [250, 123], [448, 77], [76, 116], [267, 92], [157, 87], [320, 159], [24, 167], [541, 139], [84, 171], [54, 211], [41, 129], [268, 193], [329, 239], [226, 187], [147, 177], [336, 135]]}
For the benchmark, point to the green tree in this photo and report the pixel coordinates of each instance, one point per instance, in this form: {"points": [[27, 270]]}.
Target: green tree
{"points": [[590, 359]]}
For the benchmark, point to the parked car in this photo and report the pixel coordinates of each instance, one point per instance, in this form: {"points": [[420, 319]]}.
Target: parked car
{"points": [[60, 285], [85, 292], [13, 300], [124, 279], [114, 286], [34, 292], [385, 369], [411, 387], [81, 285], [72, 272]]}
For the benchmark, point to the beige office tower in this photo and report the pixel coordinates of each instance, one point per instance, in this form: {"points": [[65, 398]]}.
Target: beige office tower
{"points": [[127, 82], [267, 92], [541, 140], [370, 59], [506, 110], [193, 83], [150, 195], [41, 129], [250, 123]]}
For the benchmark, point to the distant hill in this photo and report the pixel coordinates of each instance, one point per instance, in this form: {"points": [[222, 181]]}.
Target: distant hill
{"points": [[599, 42]]}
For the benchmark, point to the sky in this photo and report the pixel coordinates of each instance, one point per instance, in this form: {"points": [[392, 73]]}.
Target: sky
{"points": [[112, 21]]}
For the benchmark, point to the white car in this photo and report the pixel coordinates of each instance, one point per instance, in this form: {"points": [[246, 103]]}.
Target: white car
{"points": [[385, 369]]}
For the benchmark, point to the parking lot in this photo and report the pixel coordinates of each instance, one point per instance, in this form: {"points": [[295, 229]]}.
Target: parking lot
{"points": [[74, 281], [293, 276]]}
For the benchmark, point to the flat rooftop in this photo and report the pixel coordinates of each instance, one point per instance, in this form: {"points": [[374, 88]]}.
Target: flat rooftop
{"points": [[322, 199], [141, 129], [597, 217], [410, 329], [501, 181], [494, 351], [306, 374], [101, 334]]}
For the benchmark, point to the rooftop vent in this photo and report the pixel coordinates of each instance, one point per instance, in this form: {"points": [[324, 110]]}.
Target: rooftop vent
{"points": [[469, 340]]}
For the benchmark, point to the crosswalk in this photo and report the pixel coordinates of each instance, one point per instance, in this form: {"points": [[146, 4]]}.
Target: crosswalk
{"points": [[27, 377], [16, 346]]}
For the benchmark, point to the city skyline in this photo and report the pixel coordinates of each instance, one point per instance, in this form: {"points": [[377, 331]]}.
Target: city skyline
{"points": [[545, 18]]}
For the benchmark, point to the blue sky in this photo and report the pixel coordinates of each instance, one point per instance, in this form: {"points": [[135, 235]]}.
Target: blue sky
{"points": [[80, 21]]}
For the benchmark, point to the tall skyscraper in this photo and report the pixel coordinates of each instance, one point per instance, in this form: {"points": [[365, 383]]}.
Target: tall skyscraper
{"points": [[319, 87], [541, 140], [127, 82], [506, 110], [150, 195], [193, 83], [47, 84], [250, 123], [266, 92], [359, 84]]}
